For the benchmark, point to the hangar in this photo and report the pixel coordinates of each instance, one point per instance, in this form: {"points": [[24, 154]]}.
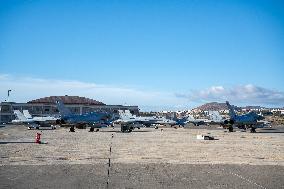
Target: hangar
{"points": [[46, 106]]}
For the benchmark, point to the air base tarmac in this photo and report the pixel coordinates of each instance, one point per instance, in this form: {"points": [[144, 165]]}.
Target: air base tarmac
{"points": [[145, 158]]}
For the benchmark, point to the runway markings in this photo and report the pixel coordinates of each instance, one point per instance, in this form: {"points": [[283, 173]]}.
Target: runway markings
{"points": [[245, 179], [109, 161]]}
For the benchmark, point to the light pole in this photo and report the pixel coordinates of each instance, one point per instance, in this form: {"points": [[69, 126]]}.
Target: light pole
{"points": [[8, 95]]}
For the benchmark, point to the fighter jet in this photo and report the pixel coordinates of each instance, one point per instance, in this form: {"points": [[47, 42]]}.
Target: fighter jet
{"points": [[34, 123], [197, 122], [214, 117], [161, 121], [91, 119], [37, 118], [126, 117], [190, 119], [244, 121], [129, 121]]}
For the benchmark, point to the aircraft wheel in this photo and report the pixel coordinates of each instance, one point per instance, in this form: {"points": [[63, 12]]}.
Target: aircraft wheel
{"points": [[72, 129], [252, 130], [231, 129], [123, 128]]}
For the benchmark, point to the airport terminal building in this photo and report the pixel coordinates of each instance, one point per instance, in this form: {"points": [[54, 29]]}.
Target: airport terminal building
{"points": [[47, 107]]}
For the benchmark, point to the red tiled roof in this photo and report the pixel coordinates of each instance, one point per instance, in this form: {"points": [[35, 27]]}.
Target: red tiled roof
{"points": [[66, 100]]}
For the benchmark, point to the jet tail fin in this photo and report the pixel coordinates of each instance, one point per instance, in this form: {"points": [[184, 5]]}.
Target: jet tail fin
{"points": [[122, 114], [190, 118], [126, 114], [62, 109], [19, 115], [27, 114], [215, 116], [231, 110]]}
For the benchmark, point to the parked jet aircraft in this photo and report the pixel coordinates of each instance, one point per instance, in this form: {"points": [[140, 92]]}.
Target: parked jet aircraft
{"points": [[181, 121], [91, 118], [244, 121], [20, 118], [126, 117], [36, 118], [130, 121], [190, 119], [214, 117], [34, 123], [161, 121]]}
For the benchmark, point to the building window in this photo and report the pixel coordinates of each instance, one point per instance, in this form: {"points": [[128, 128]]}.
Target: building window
{"points": [[16, 108], [38, 109], [5, 109]]}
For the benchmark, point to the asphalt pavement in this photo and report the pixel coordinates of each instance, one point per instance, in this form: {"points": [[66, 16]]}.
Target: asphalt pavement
{"points": [[141, 176]]}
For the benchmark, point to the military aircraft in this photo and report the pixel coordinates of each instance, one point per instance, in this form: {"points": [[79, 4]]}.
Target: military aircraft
{"points": [[181, 121], [93, 119], [37, 118], [214, 117], [245, 121], [160, 121], [197, 122], [34, 123], [129, 121], [190, 119]]}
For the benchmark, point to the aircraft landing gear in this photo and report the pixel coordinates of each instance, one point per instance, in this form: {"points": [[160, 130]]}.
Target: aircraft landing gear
{"points": [[126, 128], [72, 129], [231, 129], [252, 130]]}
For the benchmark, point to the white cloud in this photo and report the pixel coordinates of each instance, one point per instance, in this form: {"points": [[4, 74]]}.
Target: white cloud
{"points": [[249, 94], [27, 88]]}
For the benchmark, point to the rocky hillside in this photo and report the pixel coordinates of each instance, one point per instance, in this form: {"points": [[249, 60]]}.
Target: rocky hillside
{"points": [[214, 106]]}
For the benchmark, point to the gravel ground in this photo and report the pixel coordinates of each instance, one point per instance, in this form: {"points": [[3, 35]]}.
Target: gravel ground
{"points": [[147, 158], [147, 145]]}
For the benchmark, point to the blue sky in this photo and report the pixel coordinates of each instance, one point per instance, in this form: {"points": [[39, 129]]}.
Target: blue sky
{"points": [[175, 54]]}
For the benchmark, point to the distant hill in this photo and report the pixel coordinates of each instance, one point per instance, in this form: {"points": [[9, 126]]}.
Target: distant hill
{"points": [[214, 106]]}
